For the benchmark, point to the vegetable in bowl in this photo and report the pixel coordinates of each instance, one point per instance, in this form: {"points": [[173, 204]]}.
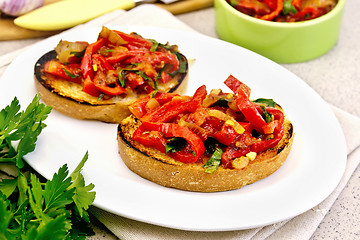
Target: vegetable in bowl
{"points": [[282, 42], [284, 10]]}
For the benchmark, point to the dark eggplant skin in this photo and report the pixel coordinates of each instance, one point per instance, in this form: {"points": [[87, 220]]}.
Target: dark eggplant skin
{"points": [[40, 64]]}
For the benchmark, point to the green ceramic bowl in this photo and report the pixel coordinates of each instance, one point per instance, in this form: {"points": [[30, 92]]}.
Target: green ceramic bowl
{"points": [[280, 42]]}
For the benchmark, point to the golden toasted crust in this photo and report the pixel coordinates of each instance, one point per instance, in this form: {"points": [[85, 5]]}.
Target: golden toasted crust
{"points": [[68, 98], [155, 166]]}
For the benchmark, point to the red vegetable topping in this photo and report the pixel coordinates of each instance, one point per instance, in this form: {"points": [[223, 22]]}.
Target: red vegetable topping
{"points": [[237, 129], [117, 61], [283, 10]]}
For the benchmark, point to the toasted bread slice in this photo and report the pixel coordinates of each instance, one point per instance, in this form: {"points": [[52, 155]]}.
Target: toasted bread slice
{"points": [[159, 168], [67, 97]]}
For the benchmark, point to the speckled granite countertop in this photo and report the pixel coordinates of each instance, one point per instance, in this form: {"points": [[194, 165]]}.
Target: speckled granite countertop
{"points": [[334, 76]]}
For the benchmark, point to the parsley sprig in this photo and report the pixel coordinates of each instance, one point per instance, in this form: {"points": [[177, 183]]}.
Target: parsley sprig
{"points": [[30, 207], [22, 126]]}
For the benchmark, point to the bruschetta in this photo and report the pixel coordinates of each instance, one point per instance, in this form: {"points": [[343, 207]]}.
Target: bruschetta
{"points": [[100, 80], [207, 142]]}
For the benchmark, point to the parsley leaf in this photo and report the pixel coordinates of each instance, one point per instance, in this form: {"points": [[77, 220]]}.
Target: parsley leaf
{"points": [[83, 198], [55, 194], [29, 207], [24, 126], [5, 217]]}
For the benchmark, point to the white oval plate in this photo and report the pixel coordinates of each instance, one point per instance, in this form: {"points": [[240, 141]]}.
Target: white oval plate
{"points": [[311, 172]]}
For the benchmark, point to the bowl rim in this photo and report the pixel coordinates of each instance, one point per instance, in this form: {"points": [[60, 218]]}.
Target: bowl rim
{"points": [[335, 11]]}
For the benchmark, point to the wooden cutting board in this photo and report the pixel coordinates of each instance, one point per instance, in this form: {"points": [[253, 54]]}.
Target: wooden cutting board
{"points": [[10, 31]]}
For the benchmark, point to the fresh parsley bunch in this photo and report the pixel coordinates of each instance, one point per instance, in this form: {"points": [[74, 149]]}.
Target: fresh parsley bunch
{"points": [[31, 208]]}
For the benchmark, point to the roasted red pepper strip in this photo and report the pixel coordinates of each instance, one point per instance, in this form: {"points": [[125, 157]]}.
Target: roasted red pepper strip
{"points": [[234, 84], [135, 40], [150, 138], [296, 4], [183, 156], [231, 153], [272, 4], [90, 88], [307, 14], [101, 62], [86, 62], [170, 130], [277, 134], [134, 80], [226, 135], [251, 7], [245, 105], [104, 71], [100, 83], [159, 113], [138, 107], [266, 144], [172, 109], [278, 115], [274, 13], [135, 56], [57, 69], [165, 77], [158, 58]]}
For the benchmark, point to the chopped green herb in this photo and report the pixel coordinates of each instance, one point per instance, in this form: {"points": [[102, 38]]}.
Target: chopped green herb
{"points": [[154, 93], [214, 161], [121, 77], [222, 102], [158, 77], [267, 115], [175, 145], [79, 54], [288, 7], [211, 144], [101, 96], [234, 3], [70, 74], [146, 78], [267, 102], [154, 45], [131, 65], [182, 64]]}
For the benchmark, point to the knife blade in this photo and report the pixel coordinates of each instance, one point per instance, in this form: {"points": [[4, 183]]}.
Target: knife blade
{"points": [[69, 13]]}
